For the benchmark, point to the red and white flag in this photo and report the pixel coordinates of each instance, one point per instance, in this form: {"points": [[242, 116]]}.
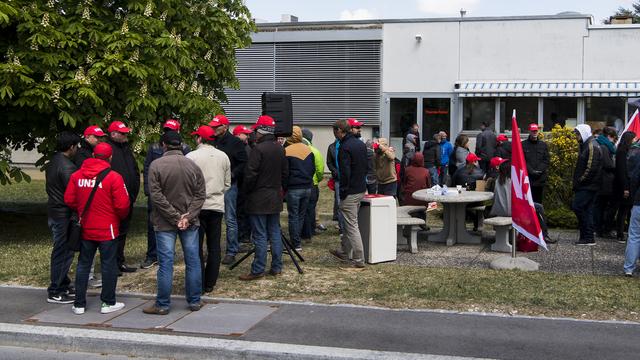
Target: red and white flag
{"points": [[632, 125], [523, 213]]}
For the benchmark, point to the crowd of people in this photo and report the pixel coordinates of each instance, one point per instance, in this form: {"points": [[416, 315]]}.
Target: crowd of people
{"points": [[243, 177]]}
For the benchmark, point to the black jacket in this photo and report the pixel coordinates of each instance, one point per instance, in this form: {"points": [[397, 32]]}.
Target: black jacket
{"points": [[608, 170], [124, 163], [588, 172], [235, 150], [58, 172], [265, 176], [155, 151], [353, 164], [431, 154], [85, 151], [331, 160], [536, 154], [633, 166], [622, 181], [504, 150], [486, 143], [467, 179]]}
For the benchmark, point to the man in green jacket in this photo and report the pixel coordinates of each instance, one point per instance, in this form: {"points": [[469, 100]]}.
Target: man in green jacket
{"points": [[308, 228]]}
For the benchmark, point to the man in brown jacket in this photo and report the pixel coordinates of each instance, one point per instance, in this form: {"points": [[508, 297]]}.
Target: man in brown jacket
{"points": [[177, 192], [385, 168]]}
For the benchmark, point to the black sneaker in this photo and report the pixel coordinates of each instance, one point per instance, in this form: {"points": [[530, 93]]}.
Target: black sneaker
{"points": [[148, 263], [60, 299], [71, 291], [550, 240], [585, 243], [228, 260], [621, 240], [127, 269]]}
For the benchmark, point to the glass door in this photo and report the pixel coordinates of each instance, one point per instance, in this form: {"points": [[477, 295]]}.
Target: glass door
{"points": [[403, 114], [436, 117]]}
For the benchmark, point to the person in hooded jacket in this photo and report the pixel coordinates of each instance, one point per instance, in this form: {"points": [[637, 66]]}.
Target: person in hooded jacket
{"points": [[604, 210], [416, 177], [587, 180], [100, 225], [622, 183], [432, 157], [124, 163]]}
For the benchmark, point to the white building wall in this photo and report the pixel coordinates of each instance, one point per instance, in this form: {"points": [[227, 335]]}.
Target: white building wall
{"points": [[612, 53]]}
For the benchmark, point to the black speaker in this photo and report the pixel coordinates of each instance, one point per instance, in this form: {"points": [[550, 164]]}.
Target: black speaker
{"points": [[278, 106]]}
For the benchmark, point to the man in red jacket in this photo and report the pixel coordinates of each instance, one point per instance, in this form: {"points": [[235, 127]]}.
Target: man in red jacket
{"points": [[100, 224]]}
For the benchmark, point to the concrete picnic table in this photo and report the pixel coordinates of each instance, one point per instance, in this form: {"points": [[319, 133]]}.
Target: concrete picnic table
{"points": [[455, 228]]}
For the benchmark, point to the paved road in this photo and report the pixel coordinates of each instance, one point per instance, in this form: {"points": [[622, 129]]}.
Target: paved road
{"points": [[16, 353], [425, 332]]}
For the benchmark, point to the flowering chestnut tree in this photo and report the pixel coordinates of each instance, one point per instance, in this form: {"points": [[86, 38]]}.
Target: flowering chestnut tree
{"points": [[67, 63]]}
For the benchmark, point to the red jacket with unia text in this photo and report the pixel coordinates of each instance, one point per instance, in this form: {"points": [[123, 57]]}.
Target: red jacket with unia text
{"points": [[110, 203]]}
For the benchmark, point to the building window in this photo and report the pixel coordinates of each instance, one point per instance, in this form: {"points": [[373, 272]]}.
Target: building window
{"points": [[563, 111], [436, 116], [404, 113], [475, 111], [605, 111], [526, 112]]}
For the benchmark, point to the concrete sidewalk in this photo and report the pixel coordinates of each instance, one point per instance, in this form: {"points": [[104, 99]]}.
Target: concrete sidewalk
{"points": [[279, 330]]}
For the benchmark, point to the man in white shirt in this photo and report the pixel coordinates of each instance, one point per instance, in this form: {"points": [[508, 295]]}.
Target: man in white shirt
{"points": [[216, 168]]}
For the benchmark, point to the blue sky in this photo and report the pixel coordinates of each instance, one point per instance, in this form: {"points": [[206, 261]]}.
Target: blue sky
{"points": [[313, 10]]}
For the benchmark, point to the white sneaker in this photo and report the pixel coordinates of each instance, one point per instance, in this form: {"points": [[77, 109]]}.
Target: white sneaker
{"points": [[77, 310], [106, 309], [95, 283]]}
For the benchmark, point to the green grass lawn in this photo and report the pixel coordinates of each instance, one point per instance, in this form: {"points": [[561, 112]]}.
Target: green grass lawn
{"points": [[25, 248]]}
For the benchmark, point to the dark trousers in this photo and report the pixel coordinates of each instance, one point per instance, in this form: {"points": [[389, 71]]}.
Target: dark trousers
{"points": [[537, 193], [108, 266], [211, 226], [604, 213], [152, 252], [388, 189], [624, 209], [372, 188], [122, 238], [309, 225], [583, 203], [61, 257], [244, 227], [541, 218]]}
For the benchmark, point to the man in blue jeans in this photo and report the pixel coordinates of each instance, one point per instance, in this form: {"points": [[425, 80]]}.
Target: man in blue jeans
{"points": [[177, 191], [264, 179], [58, 173], [633, 242]]}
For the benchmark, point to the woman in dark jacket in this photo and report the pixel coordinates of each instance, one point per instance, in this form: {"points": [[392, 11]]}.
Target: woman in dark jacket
{"points": [[622, 184], [603, 216], [416, 177]]}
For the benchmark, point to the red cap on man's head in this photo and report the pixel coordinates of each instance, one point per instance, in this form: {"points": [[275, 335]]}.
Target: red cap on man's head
{"points": [[102, 151], [172, 124], [219, 120], [533, 127], [241, 129], [119, 126], [502, 137], [94, 130], [496, 161], [354, 123], [264, 120], [472, 158], [205, 132]]}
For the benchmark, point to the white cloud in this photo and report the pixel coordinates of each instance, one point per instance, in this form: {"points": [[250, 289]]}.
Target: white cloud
{"points": [[446, 7], [357, 14]]}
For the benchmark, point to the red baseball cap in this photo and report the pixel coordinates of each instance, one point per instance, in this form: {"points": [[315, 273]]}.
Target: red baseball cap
{"points": [[102, 151], [94, 130], [353, 122], [496, 161], [241, 129], [533, 127], [119, 126], [264, 120], [502, 137], [472, 158], [219, 120], [172, 124], [205, 132]]}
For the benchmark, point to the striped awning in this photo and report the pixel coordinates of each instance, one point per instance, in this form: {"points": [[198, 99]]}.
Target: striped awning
{"points": [[548, 89]]}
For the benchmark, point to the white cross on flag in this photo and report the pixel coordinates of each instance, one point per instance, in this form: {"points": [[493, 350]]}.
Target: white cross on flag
{"points": [[523, 212]]}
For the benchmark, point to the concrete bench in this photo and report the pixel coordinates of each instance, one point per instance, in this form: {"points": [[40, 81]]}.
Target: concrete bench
{"points": [[405, 211], [413, 225], [502, 225], [479, 213]]}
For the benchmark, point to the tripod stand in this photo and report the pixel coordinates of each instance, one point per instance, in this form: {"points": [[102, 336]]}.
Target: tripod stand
{"points": [[288, 248]]}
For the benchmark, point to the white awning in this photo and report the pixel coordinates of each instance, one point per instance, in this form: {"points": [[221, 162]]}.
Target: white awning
{"points": [[548, 89]]}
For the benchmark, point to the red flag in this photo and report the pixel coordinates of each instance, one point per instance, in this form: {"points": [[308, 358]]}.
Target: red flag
{"points": [[523, 213], [632, 125]]}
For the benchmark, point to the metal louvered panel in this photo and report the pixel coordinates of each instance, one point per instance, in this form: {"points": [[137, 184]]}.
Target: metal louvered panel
{"points": [[327, 80], [255, 74], [331, 80]]}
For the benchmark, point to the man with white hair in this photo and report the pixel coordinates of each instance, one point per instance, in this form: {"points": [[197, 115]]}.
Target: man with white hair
{"points": [[587, 179]]}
